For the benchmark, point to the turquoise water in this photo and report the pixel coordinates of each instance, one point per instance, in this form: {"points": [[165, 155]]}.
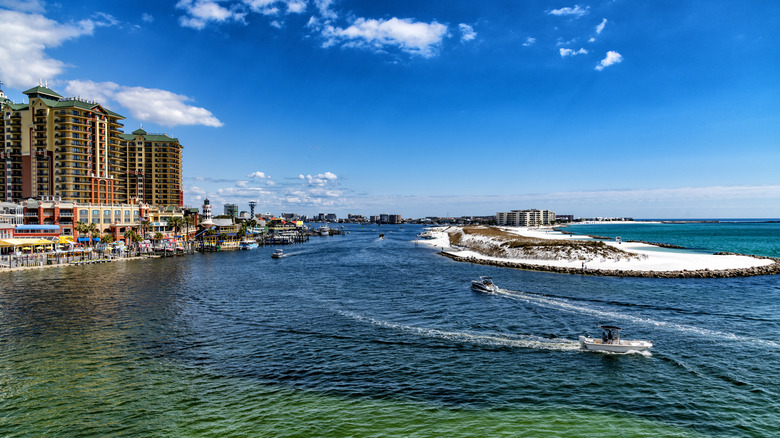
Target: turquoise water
{"points": [[756, 238], [361, 336]]}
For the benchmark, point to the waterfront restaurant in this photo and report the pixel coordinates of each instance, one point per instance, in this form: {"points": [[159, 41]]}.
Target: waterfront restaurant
{"points": [[48, 232], [32, 238]]}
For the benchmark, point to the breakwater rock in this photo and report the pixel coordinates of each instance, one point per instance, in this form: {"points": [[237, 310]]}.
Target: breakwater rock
{"points": [[772, 269]]}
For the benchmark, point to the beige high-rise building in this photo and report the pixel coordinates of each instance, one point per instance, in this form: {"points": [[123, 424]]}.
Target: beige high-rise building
{"points": [[154, 168], [74, 150]]}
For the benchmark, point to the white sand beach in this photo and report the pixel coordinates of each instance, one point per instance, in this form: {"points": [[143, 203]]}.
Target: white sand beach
{"points": [[649, 258]]}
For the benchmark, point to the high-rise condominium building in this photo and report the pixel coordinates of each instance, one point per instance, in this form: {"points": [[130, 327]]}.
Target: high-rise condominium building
{"points": [[154, 168], [74, 150]]}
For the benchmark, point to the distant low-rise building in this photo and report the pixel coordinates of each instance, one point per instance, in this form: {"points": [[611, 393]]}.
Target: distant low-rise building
{"points": [[11, 213], [525, 218], [231, 210]]}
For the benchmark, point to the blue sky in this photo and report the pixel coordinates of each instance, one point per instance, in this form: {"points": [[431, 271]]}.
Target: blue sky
{"points": [[591, 108]]}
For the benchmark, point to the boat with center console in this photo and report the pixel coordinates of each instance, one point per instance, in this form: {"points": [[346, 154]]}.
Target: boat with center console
{"points": [[612, 343]]}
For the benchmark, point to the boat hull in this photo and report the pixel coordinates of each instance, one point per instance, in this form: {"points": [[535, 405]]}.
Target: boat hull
{"points": [[477, 286], [622, 346]]}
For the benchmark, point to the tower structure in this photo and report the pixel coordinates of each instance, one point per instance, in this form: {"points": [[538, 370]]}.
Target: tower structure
{"points": [[206, 216], [252, 205]]}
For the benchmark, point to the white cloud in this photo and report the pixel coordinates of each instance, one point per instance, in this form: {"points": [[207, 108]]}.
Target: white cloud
{"points": [[296, 6], [324, 7], [305, 191], [412, 37], [611, 58], [147, 18], [466, 32], [240, 192], [320, 179], [265, 7], [529, 41], [101, 19], [200, 12], [570, 52], [146, 104], [273, 7], [102, 92], [577, 11], [26, 37], [23, 5], [600, 27]]}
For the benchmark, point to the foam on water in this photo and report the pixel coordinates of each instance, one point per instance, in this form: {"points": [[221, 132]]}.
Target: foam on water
{"points": [[568, 306], [493, 339]]}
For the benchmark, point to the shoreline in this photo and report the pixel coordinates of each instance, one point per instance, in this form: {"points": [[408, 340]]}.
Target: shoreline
{"points": [[772, 269], [80, 263], [636, 259]]}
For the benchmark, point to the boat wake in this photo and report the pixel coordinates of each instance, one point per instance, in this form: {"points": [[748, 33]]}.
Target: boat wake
{"points": [[568, 306], [491, 339]]}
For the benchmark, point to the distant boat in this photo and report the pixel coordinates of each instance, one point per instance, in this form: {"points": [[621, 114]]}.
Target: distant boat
{"points": [[610, 342], [324, 231], [381, 235], [484, 284], [278, 253]]}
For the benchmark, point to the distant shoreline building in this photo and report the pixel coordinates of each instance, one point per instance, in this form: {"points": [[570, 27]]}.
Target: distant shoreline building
{"points": [[231, 210], [525, 218]]}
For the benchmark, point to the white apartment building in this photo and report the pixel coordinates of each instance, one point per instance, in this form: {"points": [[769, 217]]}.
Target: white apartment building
{"points": [[525, 218]]}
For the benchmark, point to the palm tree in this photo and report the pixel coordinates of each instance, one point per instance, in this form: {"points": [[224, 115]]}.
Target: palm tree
{"points": [[107, 238], [92, 229], [188, 222], [158, 235], [175, 222], [143, 227], [132, 235], [81, 227]]}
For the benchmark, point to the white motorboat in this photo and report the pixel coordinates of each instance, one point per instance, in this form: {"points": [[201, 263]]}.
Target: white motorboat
{"points": [[610, 342], [278, 253], [247, 244], [484, 284]]}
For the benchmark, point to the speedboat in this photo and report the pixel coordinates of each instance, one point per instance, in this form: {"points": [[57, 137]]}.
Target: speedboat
{"points": [[278, 253], [484, 284], [610, 342]]}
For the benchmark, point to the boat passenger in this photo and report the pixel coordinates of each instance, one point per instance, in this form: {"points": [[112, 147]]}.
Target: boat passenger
{"points": [[609, 337], [603, 337]]}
